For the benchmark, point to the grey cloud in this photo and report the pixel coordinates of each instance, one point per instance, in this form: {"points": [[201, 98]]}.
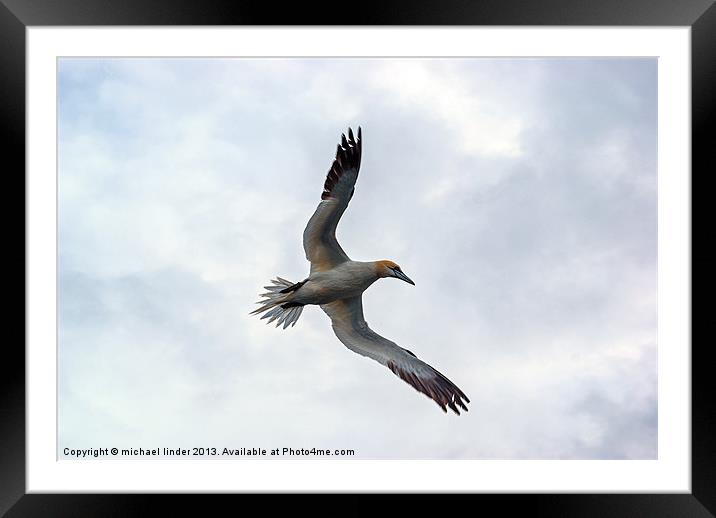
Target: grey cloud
{"points": [[520, 195]]}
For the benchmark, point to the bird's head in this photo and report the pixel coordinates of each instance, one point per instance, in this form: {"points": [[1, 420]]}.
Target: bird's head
{"points": [[390, 269]]}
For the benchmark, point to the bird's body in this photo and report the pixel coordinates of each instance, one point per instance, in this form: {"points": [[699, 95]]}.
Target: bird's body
{"points": [[336, 284], [348, 279]]}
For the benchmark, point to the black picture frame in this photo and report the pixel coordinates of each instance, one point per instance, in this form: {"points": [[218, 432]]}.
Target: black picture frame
{"points": [[17, 15]]}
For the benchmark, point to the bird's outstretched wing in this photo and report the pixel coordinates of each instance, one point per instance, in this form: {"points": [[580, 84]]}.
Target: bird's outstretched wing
{"points": [[319, 237], [352, 329]]}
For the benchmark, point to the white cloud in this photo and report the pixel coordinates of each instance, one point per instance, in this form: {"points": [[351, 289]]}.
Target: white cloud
{"points": [[520, 195], [440, 89]]}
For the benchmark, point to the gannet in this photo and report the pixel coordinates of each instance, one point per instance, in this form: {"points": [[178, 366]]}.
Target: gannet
{"points": [[336, 284]]}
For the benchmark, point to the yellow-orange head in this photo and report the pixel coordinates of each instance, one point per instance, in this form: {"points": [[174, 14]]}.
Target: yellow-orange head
{"points": [[387, 268]]}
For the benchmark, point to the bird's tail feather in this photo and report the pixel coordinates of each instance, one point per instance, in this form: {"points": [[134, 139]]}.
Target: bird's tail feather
{"points": [[276, 304]]}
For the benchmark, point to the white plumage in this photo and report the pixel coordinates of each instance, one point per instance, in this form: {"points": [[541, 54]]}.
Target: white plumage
{"points": [[336, 284]]}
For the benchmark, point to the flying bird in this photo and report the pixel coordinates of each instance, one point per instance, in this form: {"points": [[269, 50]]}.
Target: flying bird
{"points": [[336, 284]]}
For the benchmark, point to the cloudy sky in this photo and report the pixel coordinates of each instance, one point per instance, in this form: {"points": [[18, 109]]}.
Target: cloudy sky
{"points": [[519, 194]]}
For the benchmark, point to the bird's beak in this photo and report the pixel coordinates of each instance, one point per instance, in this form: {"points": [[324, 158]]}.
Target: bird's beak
{"points": [[400, 275]]}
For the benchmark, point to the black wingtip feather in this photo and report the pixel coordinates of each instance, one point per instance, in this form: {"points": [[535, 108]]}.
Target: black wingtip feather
{"points": [[348, 156], [440, 389]]}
